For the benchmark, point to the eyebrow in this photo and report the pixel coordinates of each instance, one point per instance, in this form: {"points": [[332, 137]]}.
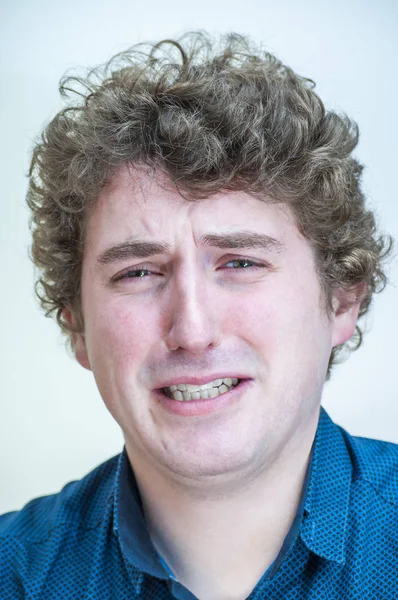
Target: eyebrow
{"points": [[132, 249], [243, 239], [143, 249]]}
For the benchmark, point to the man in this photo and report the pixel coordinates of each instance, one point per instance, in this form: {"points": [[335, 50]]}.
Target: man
{"points": [[205, 245]]}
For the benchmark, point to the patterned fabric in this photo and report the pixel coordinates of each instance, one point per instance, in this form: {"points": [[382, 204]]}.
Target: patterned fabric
{"points": [[78, 544]]}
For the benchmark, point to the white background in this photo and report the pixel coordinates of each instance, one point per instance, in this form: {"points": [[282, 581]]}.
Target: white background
{"points": [[53, 425]]}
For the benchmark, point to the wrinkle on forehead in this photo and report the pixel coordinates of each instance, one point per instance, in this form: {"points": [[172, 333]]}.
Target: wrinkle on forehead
{"points": [[146, 191]]}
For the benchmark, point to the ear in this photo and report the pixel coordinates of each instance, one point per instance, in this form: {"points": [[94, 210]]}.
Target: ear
{"points": [[346, 304], [78, 340]]}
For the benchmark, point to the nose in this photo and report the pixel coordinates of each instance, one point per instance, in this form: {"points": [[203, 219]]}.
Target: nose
{"points": [[193, 322]]}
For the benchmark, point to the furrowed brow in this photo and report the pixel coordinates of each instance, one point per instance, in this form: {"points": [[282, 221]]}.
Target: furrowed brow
{"points": [[142, 249], [243, 239], [134, 249]]}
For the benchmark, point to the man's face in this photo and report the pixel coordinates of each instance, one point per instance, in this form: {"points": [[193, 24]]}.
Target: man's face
{"points": [[198, 310]]}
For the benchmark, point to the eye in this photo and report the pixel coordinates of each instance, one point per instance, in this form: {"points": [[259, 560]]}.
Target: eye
{"points": [[137, 273], [244, 263], [140, 273]]}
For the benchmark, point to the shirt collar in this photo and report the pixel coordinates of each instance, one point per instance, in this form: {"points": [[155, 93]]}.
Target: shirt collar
{"points": [[129, 525], [324, 525]]}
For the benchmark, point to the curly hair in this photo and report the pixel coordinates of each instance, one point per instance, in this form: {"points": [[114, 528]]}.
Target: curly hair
{"points": [[212, 115]]}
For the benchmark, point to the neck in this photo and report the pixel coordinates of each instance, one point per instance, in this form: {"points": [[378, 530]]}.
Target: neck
{"points": [[219, 545]]}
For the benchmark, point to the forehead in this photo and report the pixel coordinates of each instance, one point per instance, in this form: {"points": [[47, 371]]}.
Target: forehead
{"points": [[146, 204]]}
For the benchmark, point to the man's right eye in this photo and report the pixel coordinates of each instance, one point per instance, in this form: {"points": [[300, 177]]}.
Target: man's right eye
{"points": [[133, 274], [137, 273]]}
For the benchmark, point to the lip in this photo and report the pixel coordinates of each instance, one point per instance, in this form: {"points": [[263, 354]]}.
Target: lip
{"points": [[195, 408], [194, 380]]}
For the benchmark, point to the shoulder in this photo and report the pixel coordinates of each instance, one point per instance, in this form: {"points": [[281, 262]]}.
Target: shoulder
{"points": [[375, 462], [79, 504]]}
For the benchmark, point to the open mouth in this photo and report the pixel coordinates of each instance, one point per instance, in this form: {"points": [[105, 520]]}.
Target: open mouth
{"points": [[184, 392]]}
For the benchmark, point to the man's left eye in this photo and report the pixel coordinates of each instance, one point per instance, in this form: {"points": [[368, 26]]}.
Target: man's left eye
{"points": [[243, 263]]}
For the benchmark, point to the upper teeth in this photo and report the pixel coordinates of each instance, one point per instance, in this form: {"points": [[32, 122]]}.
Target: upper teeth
{"points": [[186, 391], [187, 387]]}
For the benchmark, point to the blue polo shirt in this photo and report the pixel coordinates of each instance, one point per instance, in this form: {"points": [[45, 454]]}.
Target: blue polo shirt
{"points": [[90, 541]]}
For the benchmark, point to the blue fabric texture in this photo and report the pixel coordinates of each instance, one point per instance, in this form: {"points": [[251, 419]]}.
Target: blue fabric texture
{"points": [[90, 540]]}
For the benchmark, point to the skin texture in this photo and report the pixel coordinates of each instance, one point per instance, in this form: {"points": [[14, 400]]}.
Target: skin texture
{"points": [[196, 312]]}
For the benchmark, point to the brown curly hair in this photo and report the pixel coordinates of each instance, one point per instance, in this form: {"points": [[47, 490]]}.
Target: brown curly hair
{"points": [[213, 116]]}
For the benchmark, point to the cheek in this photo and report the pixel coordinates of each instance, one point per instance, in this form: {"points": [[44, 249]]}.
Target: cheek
{"points": [[262, 313], [119, 335], [252, 319], [285, 323]]}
